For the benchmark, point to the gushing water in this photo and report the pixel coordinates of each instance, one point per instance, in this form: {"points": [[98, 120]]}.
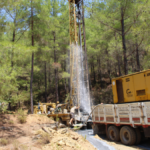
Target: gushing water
{"points": [[80, 79]]}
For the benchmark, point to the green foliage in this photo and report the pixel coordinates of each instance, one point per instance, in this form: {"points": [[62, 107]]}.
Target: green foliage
{"points": [[51, 34]]}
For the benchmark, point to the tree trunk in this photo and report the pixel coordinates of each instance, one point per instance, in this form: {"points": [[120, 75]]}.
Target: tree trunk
{"points": [[13, 40], [119, 70], [9, 106], [65, 78], [108, 65], [99, 69], [45, 84], [137, 57], [94, 74], [124, 43], [32, 66], [49, 79], [55, 72]]}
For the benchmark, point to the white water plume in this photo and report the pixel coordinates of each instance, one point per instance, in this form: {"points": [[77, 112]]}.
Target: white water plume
{"points": [[80, 82]]}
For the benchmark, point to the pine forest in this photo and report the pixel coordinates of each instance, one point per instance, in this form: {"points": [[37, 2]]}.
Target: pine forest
{"points": [[34, 48]]}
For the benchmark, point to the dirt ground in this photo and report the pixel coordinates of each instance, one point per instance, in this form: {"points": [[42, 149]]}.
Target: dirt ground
{"points": [[38, 133]]}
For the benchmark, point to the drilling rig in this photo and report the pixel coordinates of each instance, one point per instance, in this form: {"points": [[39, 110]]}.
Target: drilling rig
{"points": [[78, 42]]}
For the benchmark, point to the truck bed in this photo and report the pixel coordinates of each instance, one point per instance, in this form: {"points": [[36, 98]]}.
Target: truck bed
{"points": [[133, 114]]}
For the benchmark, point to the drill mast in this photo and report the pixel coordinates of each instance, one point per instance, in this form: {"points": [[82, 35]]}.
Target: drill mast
{"points": [[77, 38]]}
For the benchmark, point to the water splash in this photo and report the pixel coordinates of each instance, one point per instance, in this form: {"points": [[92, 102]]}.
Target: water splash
{"points": [[80, 80]]}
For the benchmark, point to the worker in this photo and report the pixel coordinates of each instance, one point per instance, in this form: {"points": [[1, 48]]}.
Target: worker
{"points": [[72, 113]]}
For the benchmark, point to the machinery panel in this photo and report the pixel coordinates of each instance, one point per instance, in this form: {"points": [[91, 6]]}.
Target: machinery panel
{"points": [[128, 89], [136, 87], [147, 77], [140, 86]]}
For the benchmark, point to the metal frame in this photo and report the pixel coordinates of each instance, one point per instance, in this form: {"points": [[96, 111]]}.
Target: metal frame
{"points": [[77, 37]]}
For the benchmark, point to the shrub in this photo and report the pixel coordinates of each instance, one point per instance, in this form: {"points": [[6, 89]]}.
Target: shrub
{"points": [[11, 122], [45, 138], [15, 145], [21, 116], [3, 141], [51, 118]]}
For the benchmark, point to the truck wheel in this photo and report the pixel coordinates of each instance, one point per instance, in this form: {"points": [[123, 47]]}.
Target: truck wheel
{"points": [[113, 133], [138, 136], [127, 135]]}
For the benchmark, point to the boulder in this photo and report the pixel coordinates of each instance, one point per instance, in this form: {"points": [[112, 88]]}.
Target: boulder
{"points": [[61, 125], [54, 127], [60, 143], [70, 144], [63, 131], [39, 132], [52, 130], [46, 129], [75, 137]]}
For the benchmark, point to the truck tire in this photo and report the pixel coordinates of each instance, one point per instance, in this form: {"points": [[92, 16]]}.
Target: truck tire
{"points": [[138, 136], [113, 133], [127, 135]]}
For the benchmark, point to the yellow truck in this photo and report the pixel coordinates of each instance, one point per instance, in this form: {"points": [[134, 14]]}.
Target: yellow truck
{"points": [[128, 119]]}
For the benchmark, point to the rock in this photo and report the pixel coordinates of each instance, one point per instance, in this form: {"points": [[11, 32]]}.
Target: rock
{"points": [[60, 143], [63, 131], [54, 127], [51, 130], [39, 132], [37, 137], [46, 129], [70, 144], [75, 138], [6, 128], [61, 125]]}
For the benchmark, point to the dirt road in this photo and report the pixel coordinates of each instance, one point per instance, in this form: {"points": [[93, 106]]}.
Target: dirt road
{"points": [[101, 142]]}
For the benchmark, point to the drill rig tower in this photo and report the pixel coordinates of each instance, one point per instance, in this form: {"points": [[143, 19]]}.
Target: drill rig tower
{"points": [[77, 41]]}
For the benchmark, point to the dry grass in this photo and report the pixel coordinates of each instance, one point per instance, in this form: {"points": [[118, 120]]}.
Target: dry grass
{"points": [[18, 146], [23, 147], [15, 145], [11, 122], [21, 116], [4, 142], [51, 118], [38, 119], [84, 138], [45, 138]]}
